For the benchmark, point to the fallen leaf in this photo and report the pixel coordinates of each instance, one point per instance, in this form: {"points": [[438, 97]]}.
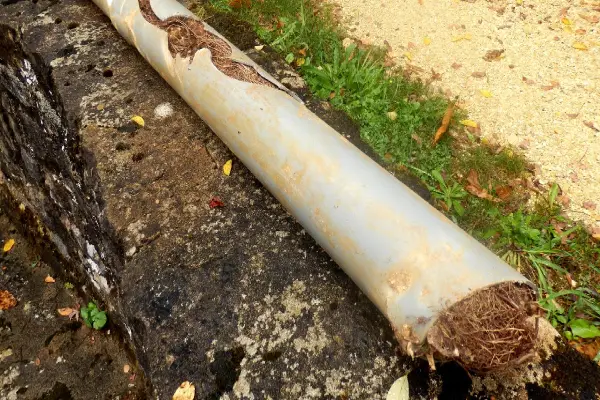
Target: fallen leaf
{"points": [[475, 188], [564, 200], [478, 74], [589, 205], [302, 52], [574, 177], [592, 19], [215, 202], [580, 46], [408, 55], [572, 282], [49, 279], [426, 41], [456, 65], [126, 368], [138, 120], [589, 349], [185, 391], [494, 55], [131, 377], [552, 85], [525, 144], [399, 389], [591, 125], [7, 300], [466, 36], [503, 192], [259, 48], [37, 362], [573, 116], [227, 167], [435, 76], [100, 107], [8, 245], [528, 81], [240, 3], [486, 93], [392, 115], [65, 312], [445, 123], [566, 21], [581, 31], [469, 123]]}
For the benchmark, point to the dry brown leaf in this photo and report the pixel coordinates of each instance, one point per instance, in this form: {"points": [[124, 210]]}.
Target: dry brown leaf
{"points": [[589, 205], [528, 81], [49, 279], [475, 188], [445, 123], [456, 65], [552, 85], [435, 76], [494, 55], [7, 300], [185, 391], [591, 125], [416, 138], [478, 74], [504, 192], [564, 200], [572, 116], [240, 3], [592, 19], [37, 362], [65, 312]]}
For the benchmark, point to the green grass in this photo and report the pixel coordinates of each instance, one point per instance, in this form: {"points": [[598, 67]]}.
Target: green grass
{"points": [[398, 118]]}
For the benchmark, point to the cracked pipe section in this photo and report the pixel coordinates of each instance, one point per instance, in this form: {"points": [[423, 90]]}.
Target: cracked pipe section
{"points": [[410, 260]]}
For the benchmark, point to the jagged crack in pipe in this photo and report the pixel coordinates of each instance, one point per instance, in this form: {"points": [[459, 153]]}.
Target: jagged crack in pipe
{"points": [[409, 259]]}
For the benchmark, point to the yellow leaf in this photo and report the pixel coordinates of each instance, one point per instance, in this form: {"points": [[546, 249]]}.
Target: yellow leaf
{"points": [[126, 368], [65, 312], [580, 46], [469, 123], [138, 120], [408, 55], [392, 115], [300, 61], [486, 93], [466, 36], [426, 41], [519, 2], [227, 167], [49, 279], [566, 21], [9, 245], [185, 391], [22, 207]]}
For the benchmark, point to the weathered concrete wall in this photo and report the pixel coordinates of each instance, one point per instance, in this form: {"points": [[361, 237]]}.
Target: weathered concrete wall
{"points": [[44, 173]]}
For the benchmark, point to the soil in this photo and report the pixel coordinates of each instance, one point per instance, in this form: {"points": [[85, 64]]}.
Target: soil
{"points": [[45, 356], [527, 72]]}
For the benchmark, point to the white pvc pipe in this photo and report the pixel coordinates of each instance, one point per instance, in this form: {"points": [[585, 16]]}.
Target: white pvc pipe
{"points": [[409, 259]]}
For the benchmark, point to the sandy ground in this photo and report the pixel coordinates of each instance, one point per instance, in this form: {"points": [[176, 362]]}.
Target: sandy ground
{"points": [[528, 72]]}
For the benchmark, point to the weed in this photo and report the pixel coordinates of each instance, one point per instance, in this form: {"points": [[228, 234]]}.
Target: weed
{"points": [[450, 196], [92, 316]]}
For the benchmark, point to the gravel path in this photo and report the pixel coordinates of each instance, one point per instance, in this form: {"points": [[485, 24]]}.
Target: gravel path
{"points": [[527, 72]]}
